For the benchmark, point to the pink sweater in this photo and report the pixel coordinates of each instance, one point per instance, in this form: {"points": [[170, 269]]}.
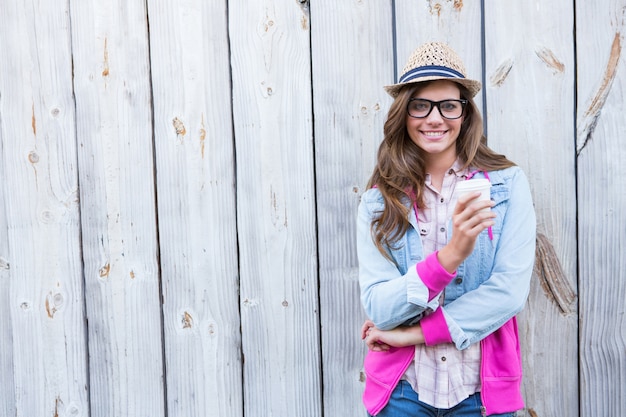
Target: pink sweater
{"points": [[500, 371]]}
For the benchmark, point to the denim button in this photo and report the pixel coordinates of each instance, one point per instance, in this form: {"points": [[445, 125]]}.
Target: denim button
{"points": [[458, 280]]}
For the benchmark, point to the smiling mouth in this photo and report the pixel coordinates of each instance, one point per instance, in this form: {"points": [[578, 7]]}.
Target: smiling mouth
{"points": [[434, 134]]}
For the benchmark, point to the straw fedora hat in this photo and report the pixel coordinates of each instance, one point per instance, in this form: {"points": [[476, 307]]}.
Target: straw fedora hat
{"points": [[434, 61]]}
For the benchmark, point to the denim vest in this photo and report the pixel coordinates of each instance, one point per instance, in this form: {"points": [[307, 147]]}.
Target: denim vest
{"points": [[504, 262], [490, 288]]}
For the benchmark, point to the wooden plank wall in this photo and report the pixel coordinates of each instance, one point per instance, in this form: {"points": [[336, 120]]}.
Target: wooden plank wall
{"points": [[112, 90], [273, 126], [43, 334], [349, 117], [195, 182], [600, 152], [179, 183], [529, 87]]}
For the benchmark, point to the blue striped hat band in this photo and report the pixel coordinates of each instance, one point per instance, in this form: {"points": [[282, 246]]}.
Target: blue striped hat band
{"points": [[430, 71]]}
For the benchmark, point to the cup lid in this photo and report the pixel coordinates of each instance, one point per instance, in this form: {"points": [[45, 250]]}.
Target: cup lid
{"points": [[473, 184]]}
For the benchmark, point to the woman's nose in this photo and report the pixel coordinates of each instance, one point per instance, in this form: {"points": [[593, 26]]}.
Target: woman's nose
{"points": [[435, 115]]}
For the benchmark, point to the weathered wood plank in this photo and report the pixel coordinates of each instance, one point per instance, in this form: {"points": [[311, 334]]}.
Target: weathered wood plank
{"points": [[43, 344], [275, 207], [7, 367], [352, 52], [8, 406], [196, 205], [602, 205], [530, 89], [116, 176]]}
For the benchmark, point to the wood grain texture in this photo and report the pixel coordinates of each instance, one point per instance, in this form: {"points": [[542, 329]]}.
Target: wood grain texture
{"points": [[118, 214], [220, 149], [43, 349], [7, 366], [195, 166], [352, 52], [8, 403], [601, 84], [272, 113], [530, 85]]}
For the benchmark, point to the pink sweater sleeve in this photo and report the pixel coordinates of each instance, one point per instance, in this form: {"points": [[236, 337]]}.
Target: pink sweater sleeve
{"points": [[433, 275], [435, 328]]}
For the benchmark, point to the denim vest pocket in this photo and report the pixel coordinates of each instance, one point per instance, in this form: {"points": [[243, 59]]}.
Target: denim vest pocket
{"points": [[499, 195]]}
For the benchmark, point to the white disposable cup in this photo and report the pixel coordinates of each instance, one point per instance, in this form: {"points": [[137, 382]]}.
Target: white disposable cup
{"points": [[469, 186]]}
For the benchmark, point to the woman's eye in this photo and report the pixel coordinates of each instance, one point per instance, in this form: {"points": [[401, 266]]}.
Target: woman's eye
{"points": [[449, 105]]}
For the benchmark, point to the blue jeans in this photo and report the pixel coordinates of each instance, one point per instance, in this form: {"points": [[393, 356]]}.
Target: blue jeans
{"points": [[404, 402]]}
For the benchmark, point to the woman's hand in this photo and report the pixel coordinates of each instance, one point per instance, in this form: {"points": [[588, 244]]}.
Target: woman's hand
{"points": [[468, 221], [381, 340]]}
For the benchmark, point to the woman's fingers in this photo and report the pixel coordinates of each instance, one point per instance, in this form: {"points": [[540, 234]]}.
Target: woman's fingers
{"points": [[378, 347], [464, 201], [373, 343], [469, 203], [370, 334], [365, 328], [473, 220], [472, 216]]}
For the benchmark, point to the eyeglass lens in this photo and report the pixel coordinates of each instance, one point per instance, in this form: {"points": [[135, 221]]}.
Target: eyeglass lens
{"points": [[450, 109]]}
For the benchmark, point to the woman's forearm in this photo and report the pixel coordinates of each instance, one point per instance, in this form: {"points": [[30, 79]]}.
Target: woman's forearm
{"points": [[380, 340]]}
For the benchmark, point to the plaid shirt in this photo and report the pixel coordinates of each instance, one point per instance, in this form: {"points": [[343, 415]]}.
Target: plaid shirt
{"points": [[442, 375]]}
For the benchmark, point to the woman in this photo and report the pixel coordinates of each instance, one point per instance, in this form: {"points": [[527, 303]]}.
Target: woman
{"points": [[441, 281]]}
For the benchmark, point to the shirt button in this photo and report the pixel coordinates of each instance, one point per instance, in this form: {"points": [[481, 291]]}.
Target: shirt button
{"points": [[458, 280], [443, 229], [441, 199], [451, 172], [443, 359]]}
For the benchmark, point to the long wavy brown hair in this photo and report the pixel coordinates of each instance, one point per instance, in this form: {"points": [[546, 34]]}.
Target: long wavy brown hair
{"points": [[400, 172]]}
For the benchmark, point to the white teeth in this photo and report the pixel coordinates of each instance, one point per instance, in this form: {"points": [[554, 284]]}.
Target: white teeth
{"points": [[434, 133]]}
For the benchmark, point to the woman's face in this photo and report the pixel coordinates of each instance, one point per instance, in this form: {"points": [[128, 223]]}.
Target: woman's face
{"points": [[434, 134]]}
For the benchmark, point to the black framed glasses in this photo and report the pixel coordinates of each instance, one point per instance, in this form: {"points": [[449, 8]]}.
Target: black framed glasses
{"points": [[420, 108]]}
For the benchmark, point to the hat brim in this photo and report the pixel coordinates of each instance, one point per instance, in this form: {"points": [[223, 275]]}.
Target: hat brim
{"points": [[472, 86]]}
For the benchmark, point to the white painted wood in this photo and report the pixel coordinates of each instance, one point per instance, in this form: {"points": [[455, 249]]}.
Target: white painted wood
{"points": [[530, 89], [270, 60], [352, 53], [601, 74], [118, 216], [43, 349], [456, 23], [7, 386], [196, 204], [180, 200], [8, 406]]}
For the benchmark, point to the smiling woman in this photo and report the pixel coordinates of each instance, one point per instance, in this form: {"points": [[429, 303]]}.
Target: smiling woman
{"points": [[436, 132], [424, 257]]}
